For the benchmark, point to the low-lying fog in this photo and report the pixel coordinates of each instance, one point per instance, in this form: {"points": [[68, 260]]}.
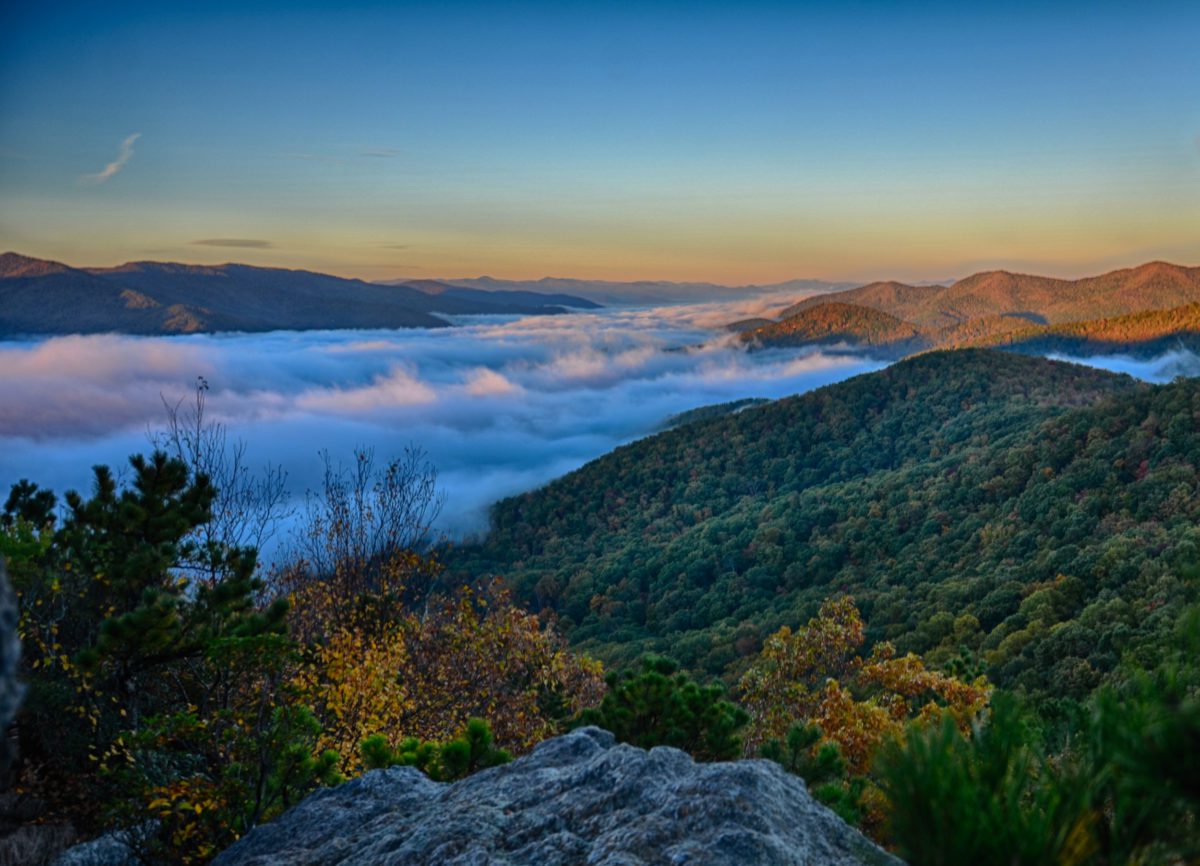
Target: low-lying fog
{"points": [[499, 406]]}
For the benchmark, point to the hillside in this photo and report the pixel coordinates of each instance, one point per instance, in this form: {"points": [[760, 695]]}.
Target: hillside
{"points": [[1156, 285], [38, 296], [1146, 334], [1141, 311], [834, 323], [1034, 513], [43, 297]]}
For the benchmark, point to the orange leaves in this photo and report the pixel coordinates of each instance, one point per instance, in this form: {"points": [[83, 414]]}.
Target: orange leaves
{"points": [[783, 686], [815, 675]]}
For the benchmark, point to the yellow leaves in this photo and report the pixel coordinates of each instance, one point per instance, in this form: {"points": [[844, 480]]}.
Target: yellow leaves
{"points": [[424, 673], [798, 678]]}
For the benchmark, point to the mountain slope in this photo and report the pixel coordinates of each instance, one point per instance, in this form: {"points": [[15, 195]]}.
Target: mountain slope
{"points": [[38, 296], [43, 297], [271, 298], [1147, 334], [1032, 512], [1155, 285], [834, 323]]}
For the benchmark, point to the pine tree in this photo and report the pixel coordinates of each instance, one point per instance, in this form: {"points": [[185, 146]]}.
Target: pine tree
{"points": [[657, 705]]}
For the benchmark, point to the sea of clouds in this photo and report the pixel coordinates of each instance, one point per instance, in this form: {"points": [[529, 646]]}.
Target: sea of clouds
{"points": [[499, 405]]}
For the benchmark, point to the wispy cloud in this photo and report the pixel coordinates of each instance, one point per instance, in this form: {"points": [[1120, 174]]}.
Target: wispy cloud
{"points": [[245, 243], [114, 168], [382, 153]]}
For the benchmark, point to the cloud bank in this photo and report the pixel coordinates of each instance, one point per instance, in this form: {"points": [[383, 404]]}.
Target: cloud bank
{"points": [[501, 405], [113, 168]]}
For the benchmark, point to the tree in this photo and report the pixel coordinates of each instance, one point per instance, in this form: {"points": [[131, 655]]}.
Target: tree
{"points": [[806, 753], [657, 705], [248, 504], [376, 666], [117, 634], [364, 516], [814, 675]]}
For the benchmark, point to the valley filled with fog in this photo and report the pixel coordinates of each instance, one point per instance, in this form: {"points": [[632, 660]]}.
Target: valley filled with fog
{"points": [[499, 405]]}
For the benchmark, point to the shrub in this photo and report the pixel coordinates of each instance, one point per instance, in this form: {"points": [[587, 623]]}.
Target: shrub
{"points": [[657, 705]]}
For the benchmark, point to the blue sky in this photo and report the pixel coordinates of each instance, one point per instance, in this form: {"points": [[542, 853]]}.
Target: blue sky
{"points": [[746, 143]]}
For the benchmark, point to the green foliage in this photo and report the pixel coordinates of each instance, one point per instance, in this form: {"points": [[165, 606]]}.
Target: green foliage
{"points": [[116, 632], [839, 323], [208, 781], [1030, 512], [819, 762], [469, 752], [29, 504], [986, 799], [657, 705], [1122, 788]]}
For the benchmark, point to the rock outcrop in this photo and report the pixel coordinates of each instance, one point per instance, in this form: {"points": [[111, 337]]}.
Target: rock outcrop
{"points": [[10, 659], [576, 799], [10, 652]]}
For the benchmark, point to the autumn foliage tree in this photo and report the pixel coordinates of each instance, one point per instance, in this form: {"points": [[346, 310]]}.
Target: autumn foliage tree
{"points": [[374, 665], [815, 675], [388, 650]]}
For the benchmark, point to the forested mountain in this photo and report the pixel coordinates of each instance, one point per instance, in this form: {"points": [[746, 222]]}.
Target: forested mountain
{"points": [[1032, 513], [1139, 311], [1152, 286], [836, 323], [43, 297], [1146, 334]]}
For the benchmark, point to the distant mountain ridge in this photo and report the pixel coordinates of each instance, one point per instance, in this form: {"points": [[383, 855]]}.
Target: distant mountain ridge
{"points": [[1133, 310], [38, 296], [440, 289], [642, 292]]}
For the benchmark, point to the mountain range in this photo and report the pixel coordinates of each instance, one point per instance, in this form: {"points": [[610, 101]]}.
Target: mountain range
{"points": [[1138, 311], [45, 297], [645, 292]]}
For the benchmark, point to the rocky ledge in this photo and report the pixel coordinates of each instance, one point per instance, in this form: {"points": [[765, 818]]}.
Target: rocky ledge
{"points": [[577, 799]]}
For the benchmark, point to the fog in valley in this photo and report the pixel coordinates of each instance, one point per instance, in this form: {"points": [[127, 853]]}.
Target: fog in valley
{"points": [[500, 406]]}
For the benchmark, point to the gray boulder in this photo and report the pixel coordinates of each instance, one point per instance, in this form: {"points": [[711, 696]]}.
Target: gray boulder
{"points": [[111, 849], [576, 799], [10, 653]]}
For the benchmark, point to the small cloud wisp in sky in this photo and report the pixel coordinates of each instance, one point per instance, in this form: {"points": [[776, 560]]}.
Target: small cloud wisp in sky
{"points": [[113, 168]]}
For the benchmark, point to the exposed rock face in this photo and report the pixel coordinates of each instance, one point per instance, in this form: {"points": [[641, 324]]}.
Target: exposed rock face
{"points": [[577, 799], [10, 657]]}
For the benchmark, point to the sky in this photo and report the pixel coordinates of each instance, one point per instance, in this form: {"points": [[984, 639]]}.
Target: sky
{"points": [[735, 143]]}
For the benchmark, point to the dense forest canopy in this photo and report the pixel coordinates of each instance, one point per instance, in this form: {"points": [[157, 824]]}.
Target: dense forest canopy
{"points": [[1029, 514]]}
